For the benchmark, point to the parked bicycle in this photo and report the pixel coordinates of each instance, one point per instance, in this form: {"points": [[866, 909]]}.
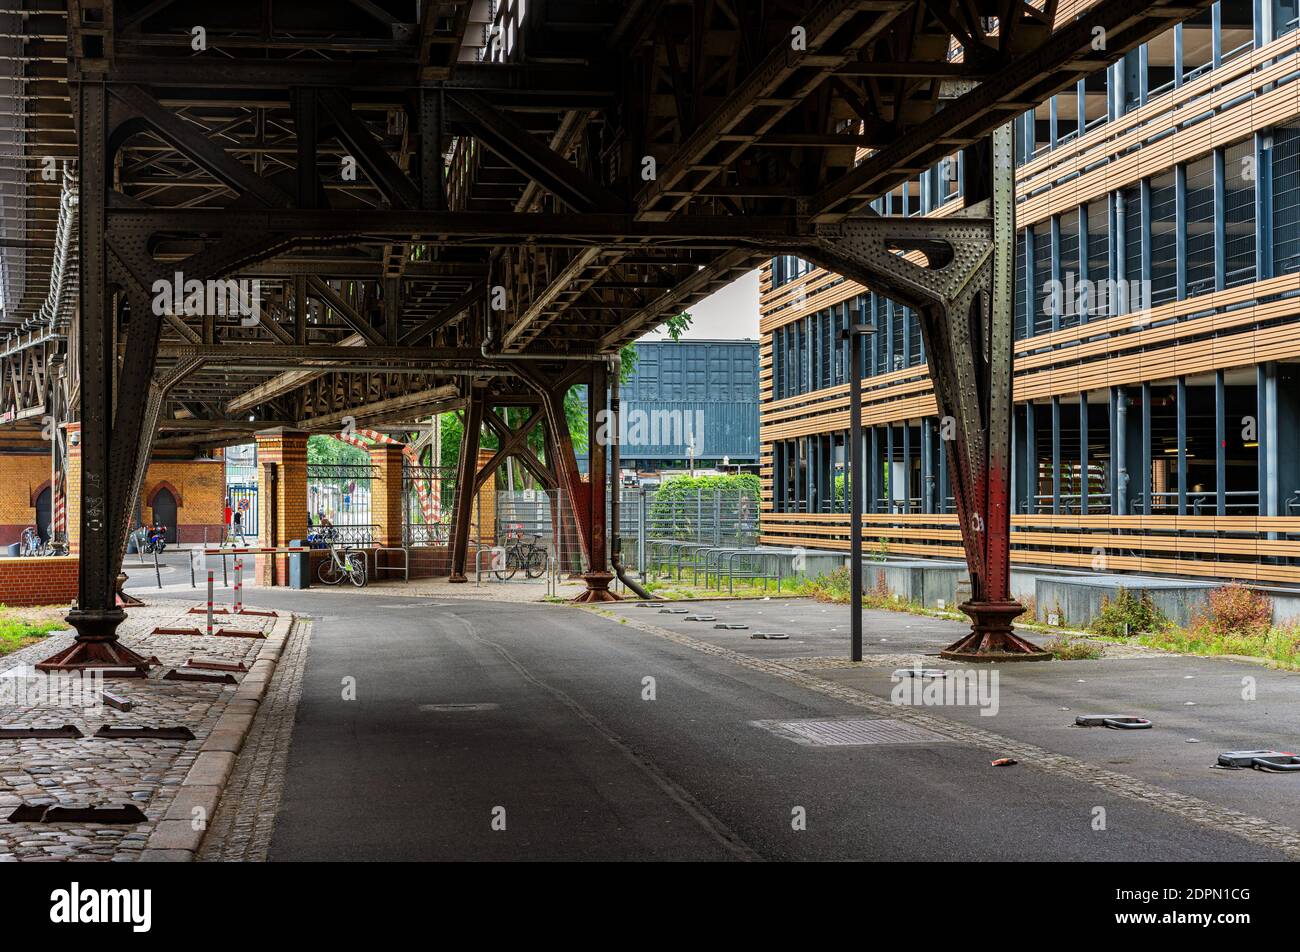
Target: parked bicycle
{"points": [[343, 564], [30, 543], [531, 557]]}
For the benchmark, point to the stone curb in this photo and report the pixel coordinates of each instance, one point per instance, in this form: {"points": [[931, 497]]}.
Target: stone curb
{"points": [[174, 839]]}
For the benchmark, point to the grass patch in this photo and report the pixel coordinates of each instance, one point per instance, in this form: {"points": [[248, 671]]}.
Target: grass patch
{"points": [[1281, 646], [834, 587], [1064, 648], [22, 627]]}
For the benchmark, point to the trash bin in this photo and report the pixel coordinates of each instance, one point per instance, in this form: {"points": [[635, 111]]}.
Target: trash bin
{"points": [[299, 567]]}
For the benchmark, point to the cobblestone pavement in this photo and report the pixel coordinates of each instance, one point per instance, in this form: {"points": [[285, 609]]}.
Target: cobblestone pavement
{"points": [[241, 829], [94, 771]]}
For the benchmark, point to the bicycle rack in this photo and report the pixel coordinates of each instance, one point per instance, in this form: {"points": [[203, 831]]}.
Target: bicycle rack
{"points": [[405, 568], [1269, 761], [1125, 722]]}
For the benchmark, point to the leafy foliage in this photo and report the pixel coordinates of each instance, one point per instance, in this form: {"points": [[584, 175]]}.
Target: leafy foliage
{"points": [[325, 450], [1064, 648], [1127, 615]]}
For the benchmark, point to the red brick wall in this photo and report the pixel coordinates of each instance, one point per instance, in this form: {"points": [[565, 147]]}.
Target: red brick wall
{"points": [[39, 581]]}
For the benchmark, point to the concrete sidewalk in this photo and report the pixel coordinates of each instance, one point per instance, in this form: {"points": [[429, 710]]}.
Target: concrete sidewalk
{"points": [[1198, 706]]}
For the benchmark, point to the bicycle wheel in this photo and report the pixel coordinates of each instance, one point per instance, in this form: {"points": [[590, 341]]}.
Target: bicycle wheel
{"points": [[329, 572], [536, 564], [356, 568], [511, 567]]}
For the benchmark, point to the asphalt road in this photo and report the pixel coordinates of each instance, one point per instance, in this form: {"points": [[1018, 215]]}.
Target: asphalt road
{"points": [[489, 731]]}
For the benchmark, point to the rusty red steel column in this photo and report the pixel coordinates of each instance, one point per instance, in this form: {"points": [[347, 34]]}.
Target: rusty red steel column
{"points": [[598, 576], [987, 523], [587, 499], [466, 481], [958, 273]]}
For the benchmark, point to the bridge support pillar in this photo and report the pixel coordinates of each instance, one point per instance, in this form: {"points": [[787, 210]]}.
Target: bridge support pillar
{"points": [[386, 492], [281, 498], [958, 272]]}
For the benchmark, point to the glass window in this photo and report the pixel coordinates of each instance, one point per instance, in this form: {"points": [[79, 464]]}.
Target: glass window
{"points": [[1200, 226], [1164, 240], [1239, 213], [1286, 200], [1044, 306], [1098, 259], [1133, 231], [1069, 257], [1023, 294]]}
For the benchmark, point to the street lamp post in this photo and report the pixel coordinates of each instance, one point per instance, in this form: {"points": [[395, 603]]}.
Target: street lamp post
{"points": [[854, 334]]}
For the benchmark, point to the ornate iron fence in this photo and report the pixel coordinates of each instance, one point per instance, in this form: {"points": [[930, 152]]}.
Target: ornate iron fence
{"points": [[340, 495]]}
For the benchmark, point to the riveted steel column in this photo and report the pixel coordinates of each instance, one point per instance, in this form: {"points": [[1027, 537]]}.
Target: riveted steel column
{"points": [[97, 614]]}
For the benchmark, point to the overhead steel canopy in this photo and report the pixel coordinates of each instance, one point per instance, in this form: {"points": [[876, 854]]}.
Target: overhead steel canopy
{"points": [[474, 196], [607, 163]]}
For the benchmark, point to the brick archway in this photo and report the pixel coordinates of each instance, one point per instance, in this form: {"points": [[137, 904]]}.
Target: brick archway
{"points": [[161, 485], [36, 493]]}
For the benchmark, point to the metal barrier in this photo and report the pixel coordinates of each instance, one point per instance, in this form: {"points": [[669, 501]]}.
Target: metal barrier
{"points": [[405, 568]]}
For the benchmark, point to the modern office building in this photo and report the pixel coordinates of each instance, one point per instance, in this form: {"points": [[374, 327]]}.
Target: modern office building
{"points": [[691, 402], [1157, 369]]}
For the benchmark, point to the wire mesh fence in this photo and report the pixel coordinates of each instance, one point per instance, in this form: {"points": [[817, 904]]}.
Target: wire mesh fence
{"points": [[650, 518]]}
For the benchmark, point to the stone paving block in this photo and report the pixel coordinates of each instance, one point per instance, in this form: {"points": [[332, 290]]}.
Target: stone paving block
{"points": [[211, 768], [176, 835], [220, 741], [187, 798], [232, 722], [166, 856]]}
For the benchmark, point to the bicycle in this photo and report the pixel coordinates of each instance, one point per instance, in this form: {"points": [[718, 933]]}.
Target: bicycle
{"points": [[29, 543], [531, 558], [343, 564]]}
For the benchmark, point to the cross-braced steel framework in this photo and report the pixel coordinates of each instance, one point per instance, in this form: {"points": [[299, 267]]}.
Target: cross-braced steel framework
{"points": [[466, 204]]}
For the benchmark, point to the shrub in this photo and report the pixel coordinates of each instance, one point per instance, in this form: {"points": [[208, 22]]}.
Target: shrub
{"points": [[1127, 615], [1234, 612]]}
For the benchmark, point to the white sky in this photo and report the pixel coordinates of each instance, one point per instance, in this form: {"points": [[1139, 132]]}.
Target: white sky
{"points": [[728, 314]]}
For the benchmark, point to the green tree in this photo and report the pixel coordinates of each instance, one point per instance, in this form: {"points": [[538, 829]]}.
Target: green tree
{"points": [[326, 450]]}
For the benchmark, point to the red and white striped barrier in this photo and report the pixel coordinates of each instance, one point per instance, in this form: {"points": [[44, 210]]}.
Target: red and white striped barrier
{"points": [[430, 503], [209, 603], [257, 550], [239, 586]]}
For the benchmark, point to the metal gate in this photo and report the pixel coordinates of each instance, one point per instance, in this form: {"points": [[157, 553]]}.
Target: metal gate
{"points": [[242, 500]]}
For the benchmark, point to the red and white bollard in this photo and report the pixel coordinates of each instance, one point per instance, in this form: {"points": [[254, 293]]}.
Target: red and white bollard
{"points": [[209, 601], [239, 586]]}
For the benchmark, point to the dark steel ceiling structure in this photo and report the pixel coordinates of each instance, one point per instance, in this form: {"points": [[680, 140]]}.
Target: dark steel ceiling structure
{"points": [[432, 203]]}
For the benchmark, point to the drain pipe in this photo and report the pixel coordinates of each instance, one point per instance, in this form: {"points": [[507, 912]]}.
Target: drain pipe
{"points": [[615, 423]]}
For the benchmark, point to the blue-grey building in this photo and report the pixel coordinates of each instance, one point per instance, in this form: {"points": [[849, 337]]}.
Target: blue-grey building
{"points": [[691, 401]]}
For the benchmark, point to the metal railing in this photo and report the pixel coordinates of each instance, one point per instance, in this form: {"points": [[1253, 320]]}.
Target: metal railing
{"points": [[340, 493]]}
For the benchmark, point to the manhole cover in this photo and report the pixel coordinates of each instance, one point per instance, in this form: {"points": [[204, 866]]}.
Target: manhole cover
{"points": [[851, 732], [457, 708]]}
